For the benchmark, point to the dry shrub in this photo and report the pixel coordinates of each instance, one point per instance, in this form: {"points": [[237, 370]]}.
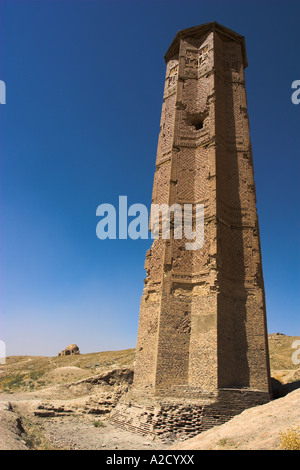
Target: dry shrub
{"points": [[290, 439]]}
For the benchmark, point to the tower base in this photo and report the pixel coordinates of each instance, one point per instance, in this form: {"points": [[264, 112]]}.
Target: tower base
{"points": [[178, 418]]}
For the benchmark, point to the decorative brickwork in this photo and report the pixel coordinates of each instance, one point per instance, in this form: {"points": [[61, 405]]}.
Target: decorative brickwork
{"points": [[202, 328]]}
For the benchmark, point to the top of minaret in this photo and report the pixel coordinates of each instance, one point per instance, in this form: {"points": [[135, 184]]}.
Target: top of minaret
{"points": [[198, 31]]}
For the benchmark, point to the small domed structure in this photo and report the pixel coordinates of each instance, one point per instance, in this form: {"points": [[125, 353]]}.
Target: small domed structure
{"points": [[70, 350]]}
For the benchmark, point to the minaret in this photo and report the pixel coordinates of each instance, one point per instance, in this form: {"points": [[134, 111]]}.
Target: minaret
{"points": [[202, 328]]}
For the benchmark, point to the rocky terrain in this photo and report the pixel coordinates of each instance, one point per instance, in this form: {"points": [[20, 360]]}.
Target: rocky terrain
{"points": [[64, 403]]}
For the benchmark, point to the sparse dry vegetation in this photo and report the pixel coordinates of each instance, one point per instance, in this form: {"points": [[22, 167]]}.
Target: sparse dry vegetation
{"points": [[98, 424], [34, 438], [30, 373], [290, 439]]}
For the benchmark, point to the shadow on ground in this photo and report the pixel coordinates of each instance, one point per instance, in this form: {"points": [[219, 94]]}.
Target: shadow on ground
{"points": [[281, 390]]}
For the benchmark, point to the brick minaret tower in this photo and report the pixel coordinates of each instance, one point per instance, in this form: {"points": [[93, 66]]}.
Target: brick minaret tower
{"points": [[202, 339]]}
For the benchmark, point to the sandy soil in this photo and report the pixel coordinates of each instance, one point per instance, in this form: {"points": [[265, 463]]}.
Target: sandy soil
{"points": [[11, 429], [67, 432], [73, 422], [257, 428]]}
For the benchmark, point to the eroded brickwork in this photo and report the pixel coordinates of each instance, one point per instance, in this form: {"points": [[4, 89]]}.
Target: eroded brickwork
{"points": [[202, 326]]}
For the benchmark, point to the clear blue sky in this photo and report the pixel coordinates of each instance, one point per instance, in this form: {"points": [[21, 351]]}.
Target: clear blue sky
{"points": [[80, 127]]}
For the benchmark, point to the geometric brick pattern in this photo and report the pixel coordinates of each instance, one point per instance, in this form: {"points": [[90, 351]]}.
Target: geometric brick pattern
{"points": [[202, 327]]}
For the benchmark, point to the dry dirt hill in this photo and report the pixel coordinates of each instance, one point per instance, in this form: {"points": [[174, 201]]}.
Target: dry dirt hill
{"points": [[259, 428], [64, 402], [32, 373]]}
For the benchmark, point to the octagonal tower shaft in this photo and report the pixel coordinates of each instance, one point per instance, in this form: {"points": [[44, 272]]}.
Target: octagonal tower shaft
{"points": [[202, 323]]}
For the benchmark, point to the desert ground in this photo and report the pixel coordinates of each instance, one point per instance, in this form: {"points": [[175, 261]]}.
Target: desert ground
{"points": [[53, 403]]}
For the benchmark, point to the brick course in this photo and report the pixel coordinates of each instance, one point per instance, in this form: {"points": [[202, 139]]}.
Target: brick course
{"points": [[202, 327]]}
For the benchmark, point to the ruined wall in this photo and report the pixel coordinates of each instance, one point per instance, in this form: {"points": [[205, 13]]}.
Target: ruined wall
{"points": [[179, 419]]}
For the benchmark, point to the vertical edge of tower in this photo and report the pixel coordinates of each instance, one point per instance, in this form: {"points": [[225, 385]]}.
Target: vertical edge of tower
{"points": [[243, 358]]}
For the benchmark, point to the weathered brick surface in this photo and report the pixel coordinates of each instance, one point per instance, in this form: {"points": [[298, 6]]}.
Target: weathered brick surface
{"points": [[184, 415], [202, 325]]}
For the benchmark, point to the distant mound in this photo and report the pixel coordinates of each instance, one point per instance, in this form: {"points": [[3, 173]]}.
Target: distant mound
{"points": [[65, 374], [29, 373]]}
